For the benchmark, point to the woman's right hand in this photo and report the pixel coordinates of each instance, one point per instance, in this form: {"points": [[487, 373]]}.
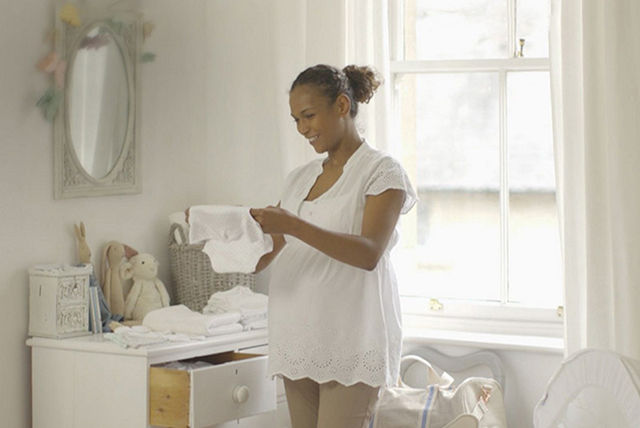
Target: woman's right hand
{"points": [[186, 215]]}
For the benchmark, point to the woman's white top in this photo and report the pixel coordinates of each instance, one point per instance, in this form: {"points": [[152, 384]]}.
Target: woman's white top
{"points": [[329, 320]]}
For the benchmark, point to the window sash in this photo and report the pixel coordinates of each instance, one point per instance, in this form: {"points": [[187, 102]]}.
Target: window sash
{"points": [[503, 317], [396, 9], [469, 65], [502, 67]]}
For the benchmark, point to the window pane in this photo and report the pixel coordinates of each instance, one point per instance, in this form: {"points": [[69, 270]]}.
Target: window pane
{"points": [[533, 26], [445, 29], [534, 236], [450, 132]]}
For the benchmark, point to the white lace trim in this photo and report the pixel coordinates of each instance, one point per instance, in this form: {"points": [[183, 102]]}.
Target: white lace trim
{"points": [[303, 350], [367, 367], [389, 174]]}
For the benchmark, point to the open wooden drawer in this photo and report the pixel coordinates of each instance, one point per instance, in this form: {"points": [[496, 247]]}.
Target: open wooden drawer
{"points": [[236, 386]]}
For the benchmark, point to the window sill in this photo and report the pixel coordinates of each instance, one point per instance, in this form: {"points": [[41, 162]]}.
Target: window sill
{"points": [[482, 325], [492, 341], [487, 317]]}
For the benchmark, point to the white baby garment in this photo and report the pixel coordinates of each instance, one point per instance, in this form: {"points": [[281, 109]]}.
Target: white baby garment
{"points": [[233, 240], [238, 299]]}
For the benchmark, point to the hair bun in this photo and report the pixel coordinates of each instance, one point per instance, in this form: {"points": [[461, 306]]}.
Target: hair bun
{"points": [[363, 80]]}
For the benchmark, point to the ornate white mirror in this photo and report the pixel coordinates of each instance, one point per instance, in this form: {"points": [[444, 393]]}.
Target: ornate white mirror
{"points": [[96, 130]]}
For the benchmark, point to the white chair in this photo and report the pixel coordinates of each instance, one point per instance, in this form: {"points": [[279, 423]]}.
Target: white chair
{"points": [[592, 389]]}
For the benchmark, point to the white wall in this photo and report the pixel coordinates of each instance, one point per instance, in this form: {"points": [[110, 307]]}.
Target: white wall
{"points": [[256, 49], [34, 228], [215, 129], [242, 116]]}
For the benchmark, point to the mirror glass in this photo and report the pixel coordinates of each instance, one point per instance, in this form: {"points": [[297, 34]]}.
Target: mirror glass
{"points": [[98, 102]]}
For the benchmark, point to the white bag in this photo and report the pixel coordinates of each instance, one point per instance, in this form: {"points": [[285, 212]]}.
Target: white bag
{"points": [[476, 403]]}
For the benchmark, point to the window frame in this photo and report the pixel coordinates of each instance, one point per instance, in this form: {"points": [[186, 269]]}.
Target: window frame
{"points": [[502, 317]]}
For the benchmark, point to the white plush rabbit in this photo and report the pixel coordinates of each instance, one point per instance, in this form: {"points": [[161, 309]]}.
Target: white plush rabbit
{"points": [[147, 292]]}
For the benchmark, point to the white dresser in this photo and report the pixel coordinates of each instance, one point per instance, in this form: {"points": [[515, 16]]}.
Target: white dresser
{"points": [[88, 381]]}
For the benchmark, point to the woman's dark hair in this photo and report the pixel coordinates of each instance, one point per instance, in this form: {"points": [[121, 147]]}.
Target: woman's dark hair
{"points": [[358, 83]]}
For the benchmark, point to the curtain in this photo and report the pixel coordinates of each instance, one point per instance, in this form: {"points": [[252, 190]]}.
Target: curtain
{"points": [[335, 32], [306, 33], [367, 43], [595, 83]]}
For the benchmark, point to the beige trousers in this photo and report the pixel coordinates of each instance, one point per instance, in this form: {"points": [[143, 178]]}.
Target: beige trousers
{"points": [[329, 405]]}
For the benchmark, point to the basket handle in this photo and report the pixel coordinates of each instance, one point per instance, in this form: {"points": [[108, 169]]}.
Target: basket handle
{"points": [[172, 234]]}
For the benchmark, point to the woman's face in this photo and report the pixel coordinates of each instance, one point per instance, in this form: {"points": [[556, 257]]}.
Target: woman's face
{"points": [[319, 121]]}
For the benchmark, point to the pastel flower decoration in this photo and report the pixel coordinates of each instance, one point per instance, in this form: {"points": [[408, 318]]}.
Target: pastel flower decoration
{"points": [[69, 14], [50, 102], [148, 57], [51, 36], [117, 26], [147, 29], [54, 65]]}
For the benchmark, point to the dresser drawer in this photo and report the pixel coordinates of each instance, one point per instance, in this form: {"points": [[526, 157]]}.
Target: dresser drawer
{"points": [[236, 386]]}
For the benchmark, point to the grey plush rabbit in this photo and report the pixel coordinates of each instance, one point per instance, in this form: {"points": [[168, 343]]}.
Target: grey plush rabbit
{"points": [[115, 253]]}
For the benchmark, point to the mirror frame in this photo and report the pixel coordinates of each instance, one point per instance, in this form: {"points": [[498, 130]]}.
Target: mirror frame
{"points": [[71, 180]]}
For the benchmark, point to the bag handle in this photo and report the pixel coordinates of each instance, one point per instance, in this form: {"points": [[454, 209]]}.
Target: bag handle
{"points": [[443, 380]]}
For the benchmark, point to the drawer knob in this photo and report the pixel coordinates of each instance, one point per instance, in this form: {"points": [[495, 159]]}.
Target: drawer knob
{"points": [[240, 393]]}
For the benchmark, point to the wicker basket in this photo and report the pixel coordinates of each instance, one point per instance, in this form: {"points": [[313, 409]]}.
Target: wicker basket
{"points": [[193, 278]]}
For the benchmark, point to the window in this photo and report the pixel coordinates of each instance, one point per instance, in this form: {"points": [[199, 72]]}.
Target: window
{"points": [[473, 115]]}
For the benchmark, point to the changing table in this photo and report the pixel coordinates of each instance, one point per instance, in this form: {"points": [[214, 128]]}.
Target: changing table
{"points": [[90, 381]]}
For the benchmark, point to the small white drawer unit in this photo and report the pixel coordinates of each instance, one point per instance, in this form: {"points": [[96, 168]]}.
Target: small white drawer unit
{"points": [[89, 381], [59, 300]]}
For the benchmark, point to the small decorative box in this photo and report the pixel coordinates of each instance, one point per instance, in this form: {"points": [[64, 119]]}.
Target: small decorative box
{"points": [[59, 300]]}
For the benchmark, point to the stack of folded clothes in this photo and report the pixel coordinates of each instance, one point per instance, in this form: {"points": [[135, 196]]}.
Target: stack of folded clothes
{"points": [[135, 337], [178, 323], [180, 319], [249, 305], [139, 336]]}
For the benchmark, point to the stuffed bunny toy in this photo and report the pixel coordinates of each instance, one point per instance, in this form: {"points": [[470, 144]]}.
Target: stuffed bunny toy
{"points": [[84, 253], [112, 286], [148, 292]]}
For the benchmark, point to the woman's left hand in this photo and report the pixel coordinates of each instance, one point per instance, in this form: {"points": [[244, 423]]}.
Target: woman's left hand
{"points": [[273, 219]]}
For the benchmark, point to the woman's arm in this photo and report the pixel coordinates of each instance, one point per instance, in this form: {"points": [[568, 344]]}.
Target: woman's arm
{"points": [[266, 259], [381, 214]]}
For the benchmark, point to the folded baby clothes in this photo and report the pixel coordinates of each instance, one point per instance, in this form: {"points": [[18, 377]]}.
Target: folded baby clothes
{"points": [[226, 329], [138, 336], [185, 365], [234, 241], [238, 299], [180, 319], [255, 324], [134, 337], [252, 316]]}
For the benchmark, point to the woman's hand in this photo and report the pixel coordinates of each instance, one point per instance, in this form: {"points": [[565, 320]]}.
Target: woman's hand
{"points": [[186, 215], [274, 220]]}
